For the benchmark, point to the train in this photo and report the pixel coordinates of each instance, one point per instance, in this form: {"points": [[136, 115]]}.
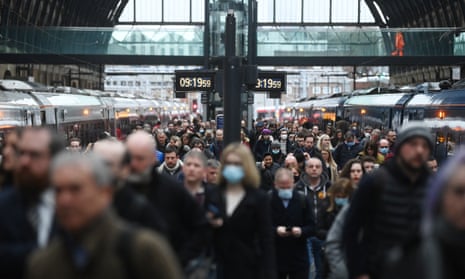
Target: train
{"points": [[85, 114], [443, 111]]}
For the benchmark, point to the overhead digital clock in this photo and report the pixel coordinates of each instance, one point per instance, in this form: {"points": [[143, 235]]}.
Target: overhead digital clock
{"points": [[270, 81], [187, 81]]}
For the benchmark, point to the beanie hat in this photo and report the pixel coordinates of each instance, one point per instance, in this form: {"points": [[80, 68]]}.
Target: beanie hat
{"points": [[414, 131], [275, 143]]}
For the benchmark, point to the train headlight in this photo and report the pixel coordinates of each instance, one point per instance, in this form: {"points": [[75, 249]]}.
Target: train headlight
{"points": [[301, 110], [442, 114], [85, 112], [363, 111]]}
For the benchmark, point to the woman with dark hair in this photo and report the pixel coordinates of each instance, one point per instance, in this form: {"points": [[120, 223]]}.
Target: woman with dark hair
{"points": [[240, 215], [371, 149], [353, 170], [441, 253]]}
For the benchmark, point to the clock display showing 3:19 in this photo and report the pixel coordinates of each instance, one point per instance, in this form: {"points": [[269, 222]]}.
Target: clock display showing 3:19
{"points": [[268, 83]]}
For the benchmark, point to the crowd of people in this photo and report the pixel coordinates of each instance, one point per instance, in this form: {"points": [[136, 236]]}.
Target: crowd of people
{"points": [[290, 200]]}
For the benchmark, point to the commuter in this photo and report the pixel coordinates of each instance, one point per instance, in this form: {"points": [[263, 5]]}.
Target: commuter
{"points": [[276, 153], [129, 205], [338, 138], [217, 146], [291, 162], [244, 139], [27, 209], [341, 193], [194, 168], [329, 164], [353, 170], [293, 223], [314, 184], [93, 242], [391, 136], [268, 170], [263, 145], [213, 167], [309, 142], [346, 151], [243, 238], [324, 142], [186, 223], [387, 205], [9, 158], [369, 164], [432, 164], [316, 132], [172, 165], [162, 141], [339, 196], [441, 252], [385, 150], [370, 148], [75, 145], [284, 143]]}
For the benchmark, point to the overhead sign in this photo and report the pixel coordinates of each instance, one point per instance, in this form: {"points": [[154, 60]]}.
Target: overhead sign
{"points": [[188, 81], [270, 81]]}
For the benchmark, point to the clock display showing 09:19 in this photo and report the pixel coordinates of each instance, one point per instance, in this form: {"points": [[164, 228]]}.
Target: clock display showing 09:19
{"points": [[195, 82]]}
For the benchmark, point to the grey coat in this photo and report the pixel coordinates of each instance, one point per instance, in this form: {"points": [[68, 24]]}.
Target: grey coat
{"points": [[334, 251]]}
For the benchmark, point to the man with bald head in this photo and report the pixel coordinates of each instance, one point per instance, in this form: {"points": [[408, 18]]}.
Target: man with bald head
{"points": [[186, 223], [131, 206]]}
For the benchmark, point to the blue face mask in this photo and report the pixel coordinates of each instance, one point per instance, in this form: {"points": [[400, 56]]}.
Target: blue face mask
{"points": [[384, 150], [285, 194], [350, 143], [275, 151], [233, 174], [341, 201]]}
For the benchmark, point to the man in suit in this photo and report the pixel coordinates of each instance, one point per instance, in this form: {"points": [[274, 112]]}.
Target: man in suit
{"points": [[27, 210], [293, 223]]}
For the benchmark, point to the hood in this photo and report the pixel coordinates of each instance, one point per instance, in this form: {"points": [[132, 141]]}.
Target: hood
{"points": [[305, 180]]}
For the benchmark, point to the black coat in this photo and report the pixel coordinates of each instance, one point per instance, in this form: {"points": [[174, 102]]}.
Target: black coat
{"points": [[387, 208], [244, 243], [17, 236], [135, 209], [291, 252], [187, 227]]}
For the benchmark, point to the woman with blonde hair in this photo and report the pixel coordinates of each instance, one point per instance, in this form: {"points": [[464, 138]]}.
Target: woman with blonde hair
{"points": [[324, 142], [330, 164], [240, 215]]}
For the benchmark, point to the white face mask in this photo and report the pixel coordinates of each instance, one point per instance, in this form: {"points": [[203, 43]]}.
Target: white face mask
{"points": [[284, 137]]}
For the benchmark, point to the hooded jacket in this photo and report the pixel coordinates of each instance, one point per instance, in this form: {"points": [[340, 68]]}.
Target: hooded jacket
{"points": [[318, 199]]}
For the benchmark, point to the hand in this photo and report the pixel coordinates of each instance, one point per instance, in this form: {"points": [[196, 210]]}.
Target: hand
{"points": [[263, 164], [296, 231], [282, 231], [306, 156], [215, 222]]}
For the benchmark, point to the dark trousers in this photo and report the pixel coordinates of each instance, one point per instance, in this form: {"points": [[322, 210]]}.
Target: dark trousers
{"points": [[317, 253], [299, 274]]}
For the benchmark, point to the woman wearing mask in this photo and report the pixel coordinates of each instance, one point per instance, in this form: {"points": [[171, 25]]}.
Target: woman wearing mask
{"points": [[353, 170], [330, 164], [339, 195], [241, 218]]}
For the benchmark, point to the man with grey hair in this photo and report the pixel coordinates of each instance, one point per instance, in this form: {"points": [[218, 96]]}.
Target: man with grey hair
{"points": [[91, 233], [186, 223], [293, 223], [211, 175], [131, 206]]}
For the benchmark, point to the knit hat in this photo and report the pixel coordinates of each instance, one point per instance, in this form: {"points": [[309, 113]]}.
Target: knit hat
{"points": [[413, 131]]}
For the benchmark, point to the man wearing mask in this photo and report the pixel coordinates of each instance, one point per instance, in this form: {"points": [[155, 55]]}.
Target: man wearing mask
{"points": [[346, 151], [293, 223], [384, 148], [276, 153], [27, 210], [186, 223], [386, 208]]}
